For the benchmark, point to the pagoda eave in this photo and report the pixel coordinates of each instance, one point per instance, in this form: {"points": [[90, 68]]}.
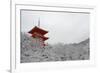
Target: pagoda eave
{"points": [[38, 30]]}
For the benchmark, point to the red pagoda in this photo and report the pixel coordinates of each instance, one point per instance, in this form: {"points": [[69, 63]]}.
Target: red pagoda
{"points": [[38, 34]]}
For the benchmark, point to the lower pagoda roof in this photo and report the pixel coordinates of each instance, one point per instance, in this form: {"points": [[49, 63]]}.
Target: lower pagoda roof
{"points": [[40, 36]]}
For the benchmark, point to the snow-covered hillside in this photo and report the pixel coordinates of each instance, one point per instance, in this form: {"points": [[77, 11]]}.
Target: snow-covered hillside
{"points": [[56, 52]]}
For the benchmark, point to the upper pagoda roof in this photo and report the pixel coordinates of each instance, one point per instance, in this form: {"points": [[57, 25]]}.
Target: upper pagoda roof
{"points": [[38, 30]]}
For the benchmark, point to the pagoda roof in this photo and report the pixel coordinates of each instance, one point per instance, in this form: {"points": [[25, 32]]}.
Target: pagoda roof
{"points": [[41, 36], [38, 30]]}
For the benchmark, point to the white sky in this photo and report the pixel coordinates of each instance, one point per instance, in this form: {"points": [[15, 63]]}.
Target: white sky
{"points": [[62, 27]]}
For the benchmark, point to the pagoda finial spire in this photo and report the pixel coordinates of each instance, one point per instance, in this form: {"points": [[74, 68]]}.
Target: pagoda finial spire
{"points": [[39, 22]]}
